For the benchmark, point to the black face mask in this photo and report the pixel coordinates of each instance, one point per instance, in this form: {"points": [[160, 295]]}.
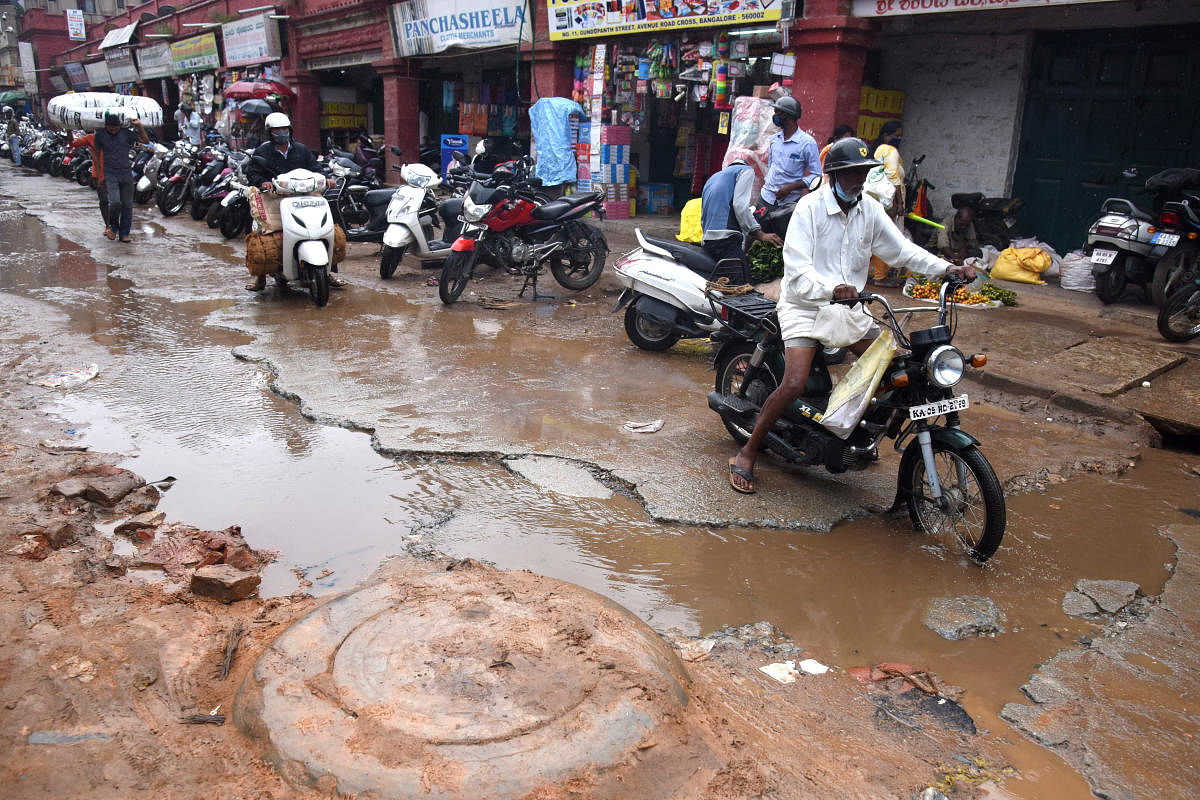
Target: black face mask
{"points": [[777, 120], [280, 137]]}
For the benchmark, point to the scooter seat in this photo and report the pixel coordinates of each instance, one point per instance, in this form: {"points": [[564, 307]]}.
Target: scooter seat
{"points": [[692, 257], [379, 197], [556, 208]]}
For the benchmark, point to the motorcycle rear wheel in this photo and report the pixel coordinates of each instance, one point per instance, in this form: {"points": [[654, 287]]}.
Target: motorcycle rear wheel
{"points": [[584, 259], [1173, 271], [83, 176], [198, 209], [455, 274], [731, 370], [1179, 318], [235, 220], [1111, 285], [214, 214], [647, 332], [390, 260], [172, 199], [975, 517], [56, 166]]}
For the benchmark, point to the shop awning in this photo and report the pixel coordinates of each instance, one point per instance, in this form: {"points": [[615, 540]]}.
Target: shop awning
{"points": [[119, 36]]}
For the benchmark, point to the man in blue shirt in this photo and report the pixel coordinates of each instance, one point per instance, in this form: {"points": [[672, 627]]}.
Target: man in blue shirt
{"points": [[114, 142], [795, 161], [728, 219]]}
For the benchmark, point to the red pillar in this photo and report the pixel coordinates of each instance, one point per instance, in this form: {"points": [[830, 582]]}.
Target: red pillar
{"points": [[305, 112], [831, 51], [401, 104], [553, 62]]}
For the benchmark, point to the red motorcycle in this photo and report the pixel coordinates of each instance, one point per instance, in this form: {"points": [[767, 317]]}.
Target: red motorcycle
{"points": [[511, 228]]}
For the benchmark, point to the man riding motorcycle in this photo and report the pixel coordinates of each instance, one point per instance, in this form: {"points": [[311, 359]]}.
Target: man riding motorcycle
{"points": [[281, 154]]}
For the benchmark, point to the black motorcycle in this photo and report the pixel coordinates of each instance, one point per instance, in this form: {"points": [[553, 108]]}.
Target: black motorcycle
{"points": [[994, 218], [946, 483]]}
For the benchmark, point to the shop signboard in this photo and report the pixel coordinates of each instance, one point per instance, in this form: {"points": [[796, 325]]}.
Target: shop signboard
{"points": [[76, 74], [582, 19], [252, 40], [893, 8], [421, 27], [120, 65], [97, 74], [76, 31], [155, 61], [28, 68], [197, 54]]}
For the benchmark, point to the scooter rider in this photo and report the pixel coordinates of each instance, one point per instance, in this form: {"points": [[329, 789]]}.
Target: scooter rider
{"points": [[728, 219], [832, 235], [281, 154]]}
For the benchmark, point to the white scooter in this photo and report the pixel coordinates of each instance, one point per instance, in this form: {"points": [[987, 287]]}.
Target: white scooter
{"points": [[411, 217], [308, 235]]}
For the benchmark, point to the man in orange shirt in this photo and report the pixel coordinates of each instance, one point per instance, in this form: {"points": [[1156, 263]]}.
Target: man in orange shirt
{"points": [[89, 140]]}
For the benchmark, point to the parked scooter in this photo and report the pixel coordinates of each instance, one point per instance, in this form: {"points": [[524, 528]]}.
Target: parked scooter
{"points": [[949, 487], [308, 231], [148, 184], [1125, 248], [412, 214]]}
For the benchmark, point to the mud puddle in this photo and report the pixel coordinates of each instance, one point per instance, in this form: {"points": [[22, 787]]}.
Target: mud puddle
{"points": [[427, 378]]}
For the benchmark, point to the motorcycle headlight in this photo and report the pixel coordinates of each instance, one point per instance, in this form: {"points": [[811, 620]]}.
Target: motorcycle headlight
{"points": [[945, 366], [473, 212]]}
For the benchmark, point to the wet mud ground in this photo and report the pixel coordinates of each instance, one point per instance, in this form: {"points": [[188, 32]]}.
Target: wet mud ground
{"points": [[417, 423]]}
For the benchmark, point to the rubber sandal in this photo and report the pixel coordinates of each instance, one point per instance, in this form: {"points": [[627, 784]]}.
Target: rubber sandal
{"points": [[108, 233], [746, 475]]}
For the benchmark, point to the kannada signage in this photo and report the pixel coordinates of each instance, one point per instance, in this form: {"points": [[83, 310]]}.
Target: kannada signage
{"points": [[75, 28], [582, 19], [892, 8], [421, 27], [28, 68], [155, 61], [76, 75], [197, 54], [97, 74], [120, 65], [251, 41]]}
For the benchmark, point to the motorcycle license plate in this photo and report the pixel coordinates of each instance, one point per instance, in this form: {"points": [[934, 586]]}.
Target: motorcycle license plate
{"points": [[1103, 256], [1168, 239], [939, 407]]}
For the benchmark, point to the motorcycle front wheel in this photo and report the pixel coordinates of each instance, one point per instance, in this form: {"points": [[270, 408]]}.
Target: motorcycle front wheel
{"points": [[56, 166], [83, 175], [140, 197], [582, 261], [172, 199], [455, 274], [390, 260], [647, 332], [235, 220], [1179, 318], [318, 285], [198, 209], [731, 367], [1111, 285], [213, 217], [971, 513], [1173, 271]]}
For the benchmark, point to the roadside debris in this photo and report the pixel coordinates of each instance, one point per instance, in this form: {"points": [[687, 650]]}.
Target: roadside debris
{"points": [[1091, 597], [67, 379], [652, 426], [224, 583], [956, 618], [782, 671], [231, 647]]}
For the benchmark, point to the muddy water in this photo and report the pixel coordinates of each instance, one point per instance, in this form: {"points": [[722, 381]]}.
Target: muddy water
{"points": [[544, 378]]}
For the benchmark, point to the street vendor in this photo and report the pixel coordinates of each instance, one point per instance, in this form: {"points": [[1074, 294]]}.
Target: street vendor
{"points": [[795, 163], [280, 154], [956, 241], [728, 219]]}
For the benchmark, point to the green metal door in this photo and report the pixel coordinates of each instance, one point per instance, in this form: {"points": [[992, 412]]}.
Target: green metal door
{"points": [[1098, 103]]}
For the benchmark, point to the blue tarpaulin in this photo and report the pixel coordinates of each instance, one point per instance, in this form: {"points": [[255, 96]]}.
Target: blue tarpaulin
{"points": [[549, 123]]}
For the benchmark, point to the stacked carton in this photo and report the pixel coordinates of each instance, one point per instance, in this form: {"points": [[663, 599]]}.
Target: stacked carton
{"points": [[615, 172]]}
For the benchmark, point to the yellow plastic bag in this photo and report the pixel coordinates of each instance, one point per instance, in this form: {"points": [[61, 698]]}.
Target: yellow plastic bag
{"points": [[690, 227], [1022, 265], [850, 397]]}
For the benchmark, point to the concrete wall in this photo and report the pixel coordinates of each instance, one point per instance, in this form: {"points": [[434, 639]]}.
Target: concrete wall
{"points": [[963, 100]]}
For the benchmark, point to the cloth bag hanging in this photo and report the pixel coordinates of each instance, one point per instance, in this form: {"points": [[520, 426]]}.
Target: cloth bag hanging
{"points": [[839, 325]]}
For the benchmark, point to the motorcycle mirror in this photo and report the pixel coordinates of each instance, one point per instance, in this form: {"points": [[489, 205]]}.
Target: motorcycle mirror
{"points": [[1131, 172], [398, 151], [459, 156]]}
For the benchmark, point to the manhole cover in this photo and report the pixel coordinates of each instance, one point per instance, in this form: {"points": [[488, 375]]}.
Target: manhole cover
{"points": [[471, 683]]}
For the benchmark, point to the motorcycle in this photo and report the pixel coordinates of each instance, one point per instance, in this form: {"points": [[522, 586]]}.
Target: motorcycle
{"points": [[235, 209], [665, 280], [1177, 200], [995, 218], [308, 231], [412, 214], [945, 481], [173, 194], [148, 184], [507, 227]]}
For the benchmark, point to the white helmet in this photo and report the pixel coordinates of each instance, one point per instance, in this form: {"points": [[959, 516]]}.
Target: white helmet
{"points": [[7, 110], [277, 119]]}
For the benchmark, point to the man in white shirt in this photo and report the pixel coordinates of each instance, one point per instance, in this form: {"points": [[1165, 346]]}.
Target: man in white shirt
{"points": [[833, 233], [190, 124]]}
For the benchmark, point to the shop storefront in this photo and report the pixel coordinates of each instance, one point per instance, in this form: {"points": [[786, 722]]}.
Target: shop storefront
{"points": [[251, 83], [157, 72], [196, 64], [658, 85]]}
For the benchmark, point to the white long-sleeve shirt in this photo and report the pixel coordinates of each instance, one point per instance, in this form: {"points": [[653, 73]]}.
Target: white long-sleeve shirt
{"points": [[826, 247]]}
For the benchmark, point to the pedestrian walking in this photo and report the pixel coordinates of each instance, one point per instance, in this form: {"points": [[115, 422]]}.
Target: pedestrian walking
{"points": [[89, 140], [114, 142], [12, 133]]}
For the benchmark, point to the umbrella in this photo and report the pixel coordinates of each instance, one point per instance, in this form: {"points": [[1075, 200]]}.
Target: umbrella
{"points": [[257, 108], [244, 90]]}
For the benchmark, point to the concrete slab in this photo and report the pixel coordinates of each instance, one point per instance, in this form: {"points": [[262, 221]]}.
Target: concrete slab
{"points": [[1172, 401], [473, 683], [1111, 365]]}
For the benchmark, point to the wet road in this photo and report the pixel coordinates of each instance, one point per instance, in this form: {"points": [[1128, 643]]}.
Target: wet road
{"points": [[431, 417]]}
